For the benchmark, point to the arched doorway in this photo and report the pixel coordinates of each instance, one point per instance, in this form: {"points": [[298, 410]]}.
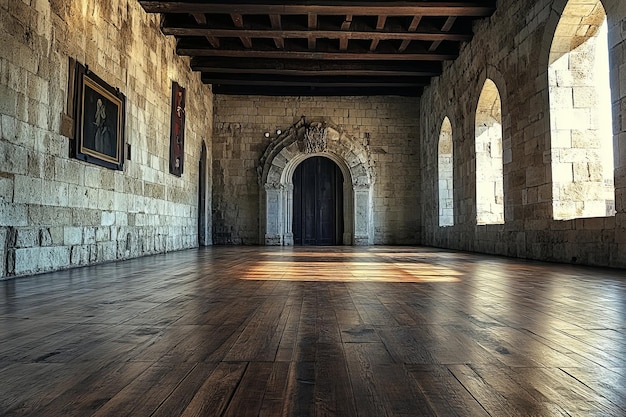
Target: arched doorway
{"points": [[318, 202], [287, 152], [203, 233]]}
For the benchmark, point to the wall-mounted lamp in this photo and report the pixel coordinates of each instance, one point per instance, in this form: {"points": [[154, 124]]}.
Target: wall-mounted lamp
{"points": [[266, 134], [278, 131]]}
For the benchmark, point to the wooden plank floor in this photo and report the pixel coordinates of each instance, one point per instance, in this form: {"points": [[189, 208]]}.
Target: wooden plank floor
{"points": [[376, 331]]}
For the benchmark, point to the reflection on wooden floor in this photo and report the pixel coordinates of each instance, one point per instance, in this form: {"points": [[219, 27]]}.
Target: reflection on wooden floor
{"points": [[348, 267], [342, 331]]}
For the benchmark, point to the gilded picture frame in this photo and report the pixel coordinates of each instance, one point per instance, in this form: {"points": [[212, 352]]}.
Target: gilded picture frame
{"points": [[99, 121]]}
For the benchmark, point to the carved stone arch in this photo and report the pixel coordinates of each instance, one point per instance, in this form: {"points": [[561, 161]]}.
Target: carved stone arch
{"points": [[301, 141]]}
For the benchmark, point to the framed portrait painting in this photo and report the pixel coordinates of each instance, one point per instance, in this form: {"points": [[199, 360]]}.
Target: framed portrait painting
{"points": [[98, 121], [177, 135]]}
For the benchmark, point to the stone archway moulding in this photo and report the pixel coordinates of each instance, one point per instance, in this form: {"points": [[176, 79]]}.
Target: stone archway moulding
{"points": [[301, 141]]}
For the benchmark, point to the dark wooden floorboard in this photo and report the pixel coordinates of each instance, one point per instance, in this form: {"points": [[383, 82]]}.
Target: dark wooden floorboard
{"points": [[333, 331]]}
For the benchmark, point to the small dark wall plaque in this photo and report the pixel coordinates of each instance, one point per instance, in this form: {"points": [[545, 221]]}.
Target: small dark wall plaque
{"points": [[177, 135], [99, 121]]}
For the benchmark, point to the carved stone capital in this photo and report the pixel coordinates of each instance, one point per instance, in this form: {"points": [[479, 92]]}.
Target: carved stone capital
{"points": [[315, 138]]}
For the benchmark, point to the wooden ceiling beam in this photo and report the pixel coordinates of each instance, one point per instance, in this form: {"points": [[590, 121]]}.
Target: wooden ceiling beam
{"points": [[275, 20], [308, 67], [347, 56], [317, 73], [295, 91], [326, 34], [415, 22], [347, 22], [238, 22], [390, 72], [345, 26], [447, 26], [380, 26], [312, 25], [405, 44], [308, 83], [412, 28], [380, 22], [449, 23], [321, 7], [200, 18], [329, 56]]}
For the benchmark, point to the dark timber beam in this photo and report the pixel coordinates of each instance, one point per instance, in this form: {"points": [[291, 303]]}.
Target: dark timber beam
{"points": [[314, 68], [424, 56], [345, 26], [446, 28], [327, 34], [291, 91], [312, 25], [412, 28], [415, 22], [238, 22], [380, 22], [201, 20], [239, 79], [380, 26], [275, 20], [347, 22], [395, 8]]}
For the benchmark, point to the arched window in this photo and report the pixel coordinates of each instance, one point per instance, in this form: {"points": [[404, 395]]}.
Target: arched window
{"points": [[580, 114], [489, 179], [446, 170]]}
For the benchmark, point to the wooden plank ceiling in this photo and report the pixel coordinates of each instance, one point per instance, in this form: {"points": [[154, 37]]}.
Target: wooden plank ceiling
{"points": [[319, 47]]}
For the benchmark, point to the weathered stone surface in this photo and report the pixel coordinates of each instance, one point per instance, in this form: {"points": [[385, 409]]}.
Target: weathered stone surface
{"points": [[534, 137], [391, 122], [46, 197], [63, 208]]}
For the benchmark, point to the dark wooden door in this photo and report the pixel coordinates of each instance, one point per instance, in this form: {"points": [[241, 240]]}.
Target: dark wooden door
{"points": [[318, 202]]}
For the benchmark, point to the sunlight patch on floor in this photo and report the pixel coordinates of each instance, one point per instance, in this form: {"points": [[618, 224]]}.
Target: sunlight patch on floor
{"points": [[333, 271]]}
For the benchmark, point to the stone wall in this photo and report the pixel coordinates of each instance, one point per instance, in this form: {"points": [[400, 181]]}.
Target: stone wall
{"points": [[387, 126], [56, 211], [512, 49]]}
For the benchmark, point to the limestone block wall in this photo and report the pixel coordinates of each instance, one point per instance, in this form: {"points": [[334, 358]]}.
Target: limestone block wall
{"points": [[512, 49], [387, 126], [56, 211]]}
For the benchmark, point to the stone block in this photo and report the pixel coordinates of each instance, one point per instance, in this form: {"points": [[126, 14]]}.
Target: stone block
{"points": [[45, 237], [78, 196], [105, 199], [106, 251], [72, 236], [80, 254], [85, 217], [103, 234], [54, 193], [92, 177], [26, 238], [38, 259], [13, 214], [8, 101], [89, 235], [69, 171], [107, 180], [585, 97], [28, 190], [586, 140], [121, 219]]}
